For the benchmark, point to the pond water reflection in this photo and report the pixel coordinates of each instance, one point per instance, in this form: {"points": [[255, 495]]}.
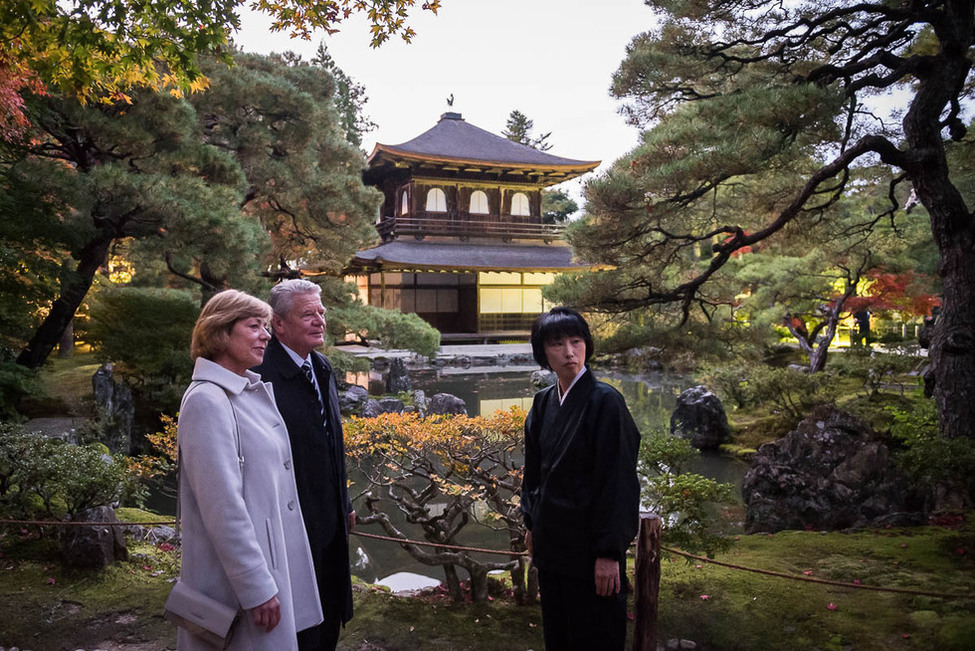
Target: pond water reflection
{"points": [[651, 399]]}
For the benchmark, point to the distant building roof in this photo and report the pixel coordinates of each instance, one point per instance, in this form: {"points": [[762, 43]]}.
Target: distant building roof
{"points": [[453, 140], [457, 256]]}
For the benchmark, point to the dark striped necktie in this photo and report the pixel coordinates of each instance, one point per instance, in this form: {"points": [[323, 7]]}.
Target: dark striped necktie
{"points": [[306, 369]]}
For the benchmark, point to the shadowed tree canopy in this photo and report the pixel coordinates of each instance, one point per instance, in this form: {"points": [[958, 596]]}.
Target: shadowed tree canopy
{"points": [[93, 176], [102, 48], [255, 178], [758, 115], [277, 118]]}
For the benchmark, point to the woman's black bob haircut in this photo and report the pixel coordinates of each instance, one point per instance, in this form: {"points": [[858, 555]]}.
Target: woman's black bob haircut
{"points": [[558, 322]]}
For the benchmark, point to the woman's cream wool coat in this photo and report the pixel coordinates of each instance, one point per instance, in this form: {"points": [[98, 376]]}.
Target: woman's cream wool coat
{"points": [[243, 538]]}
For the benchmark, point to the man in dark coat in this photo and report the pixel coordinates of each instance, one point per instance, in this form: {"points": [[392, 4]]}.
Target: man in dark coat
{"points": [[580, 493], [307, 397]]}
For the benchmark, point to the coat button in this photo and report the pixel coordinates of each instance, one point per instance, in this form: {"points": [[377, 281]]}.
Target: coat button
{"points": [[291, 505], [287, 464]]}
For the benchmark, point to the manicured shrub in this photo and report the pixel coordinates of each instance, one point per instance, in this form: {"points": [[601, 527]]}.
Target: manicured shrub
{"points": [[16, 381], [146, 331], [790, 393], [48, 477], [689, 505], [944, 467]]}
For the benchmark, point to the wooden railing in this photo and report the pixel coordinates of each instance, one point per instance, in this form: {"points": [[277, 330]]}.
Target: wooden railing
{"points": [[465, 225]]}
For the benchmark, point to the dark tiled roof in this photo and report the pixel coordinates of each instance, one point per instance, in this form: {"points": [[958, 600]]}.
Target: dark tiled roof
{"points": [[406, 254], [454, 138]]}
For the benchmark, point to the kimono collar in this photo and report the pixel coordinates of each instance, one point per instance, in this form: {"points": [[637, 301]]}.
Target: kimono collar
{"points": [[558, 388]]}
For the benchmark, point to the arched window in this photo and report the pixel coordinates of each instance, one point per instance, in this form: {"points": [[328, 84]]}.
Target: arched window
{"points": [[404, 204], [519, 205], [436, 201], [479, 203]]}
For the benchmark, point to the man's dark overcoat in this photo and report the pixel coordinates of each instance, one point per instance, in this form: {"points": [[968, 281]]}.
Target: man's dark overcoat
{"points": [[319, 464], [580, 494]]}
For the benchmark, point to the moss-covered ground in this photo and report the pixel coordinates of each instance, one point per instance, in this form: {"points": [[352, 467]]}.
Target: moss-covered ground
{"points": [[48, 607]]}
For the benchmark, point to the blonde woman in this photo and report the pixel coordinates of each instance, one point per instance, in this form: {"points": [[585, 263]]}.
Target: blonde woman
{"points": [[243, 539]]}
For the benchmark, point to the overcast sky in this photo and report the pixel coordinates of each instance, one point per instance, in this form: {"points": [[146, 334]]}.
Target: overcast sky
{"points": [[551, 59]]}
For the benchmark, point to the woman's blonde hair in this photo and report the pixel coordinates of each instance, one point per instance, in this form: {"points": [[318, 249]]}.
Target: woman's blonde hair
{"points": [[212, 330]]}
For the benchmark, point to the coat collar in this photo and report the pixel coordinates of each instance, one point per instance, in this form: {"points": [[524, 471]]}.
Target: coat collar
{"points": [[206, 370], [278, 357]]}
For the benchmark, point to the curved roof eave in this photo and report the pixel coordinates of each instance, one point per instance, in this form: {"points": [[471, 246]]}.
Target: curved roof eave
{"points": [[580, 166]]}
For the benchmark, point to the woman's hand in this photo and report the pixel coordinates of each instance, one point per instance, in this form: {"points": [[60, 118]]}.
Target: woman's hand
{"points": [[268, 614]]}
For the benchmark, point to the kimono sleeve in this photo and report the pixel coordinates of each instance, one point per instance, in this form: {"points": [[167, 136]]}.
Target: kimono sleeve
{"points": [[616, 504], [532, 473]]}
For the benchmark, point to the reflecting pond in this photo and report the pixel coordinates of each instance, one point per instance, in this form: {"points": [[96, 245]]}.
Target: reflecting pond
{"points": [[651, 399]]}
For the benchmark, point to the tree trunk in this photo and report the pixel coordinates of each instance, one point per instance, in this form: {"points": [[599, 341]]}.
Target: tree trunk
{"points": [[74, 286], [453, 582], [524, 577], [817, 359], [479, 582], [953, 345], [66, 343], [952, 349], [210, 282]]}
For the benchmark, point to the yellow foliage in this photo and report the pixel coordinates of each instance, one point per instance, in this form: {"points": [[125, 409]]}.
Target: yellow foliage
{"points": [[460, 455], [165, 441], [398, 433]]}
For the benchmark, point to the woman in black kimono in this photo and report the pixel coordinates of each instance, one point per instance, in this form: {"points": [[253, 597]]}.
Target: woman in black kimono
{"points": [[580, 494]]}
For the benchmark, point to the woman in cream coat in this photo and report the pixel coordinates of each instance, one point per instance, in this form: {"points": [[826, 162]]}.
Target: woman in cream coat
{"points": [[243, 539]]}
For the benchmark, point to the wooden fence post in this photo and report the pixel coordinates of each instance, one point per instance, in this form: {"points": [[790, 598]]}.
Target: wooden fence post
{"points": [[647, 587]]}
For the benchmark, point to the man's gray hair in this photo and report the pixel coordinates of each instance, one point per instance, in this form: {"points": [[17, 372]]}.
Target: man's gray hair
{"points": [[283, 294]]}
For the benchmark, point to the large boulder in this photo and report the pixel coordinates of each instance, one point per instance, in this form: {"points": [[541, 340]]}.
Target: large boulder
{"points": [[94, 546], [542, 378], [420, 402], [116, 409], [353, 399], [398, 378], [391, 405], [371, 408], [445, 403], [700, 417], [830, 473]]}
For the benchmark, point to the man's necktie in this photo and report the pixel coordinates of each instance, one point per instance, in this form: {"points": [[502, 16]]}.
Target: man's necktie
{"points": [[306, 369]]}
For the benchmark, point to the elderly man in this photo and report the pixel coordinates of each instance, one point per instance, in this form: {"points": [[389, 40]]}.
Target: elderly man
{"points": [[307, 397]]}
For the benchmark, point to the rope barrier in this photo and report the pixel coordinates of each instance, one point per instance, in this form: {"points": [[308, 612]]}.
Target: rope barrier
{"points": [[509, 553], [69, 523], [810, 579], [406, 541]]}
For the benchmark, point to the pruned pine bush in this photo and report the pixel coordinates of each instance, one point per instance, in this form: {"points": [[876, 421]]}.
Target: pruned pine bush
{"points": [[944, 467], [688, 504], [730, 382], [42, 477], [16, 381], [878, 370], [789, 393], [146, 332]]}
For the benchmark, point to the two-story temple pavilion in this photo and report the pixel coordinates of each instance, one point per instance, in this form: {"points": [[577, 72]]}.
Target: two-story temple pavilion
{"points": [[463, 242]]}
